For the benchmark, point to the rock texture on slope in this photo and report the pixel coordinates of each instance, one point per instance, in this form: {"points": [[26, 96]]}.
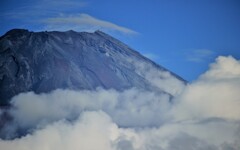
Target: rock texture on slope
{"points": [[45, 61]]}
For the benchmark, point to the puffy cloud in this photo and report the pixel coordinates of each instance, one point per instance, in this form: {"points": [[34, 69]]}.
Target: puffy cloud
{"points": [[203, 115], [214, 94], [93, 130], [30, 109], [224, 68]]}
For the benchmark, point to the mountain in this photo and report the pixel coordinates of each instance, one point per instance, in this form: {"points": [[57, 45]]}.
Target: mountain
{"points": [[45, 61]]}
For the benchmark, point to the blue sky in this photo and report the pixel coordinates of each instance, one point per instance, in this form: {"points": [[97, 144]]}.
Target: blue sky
{"points": [[181, 35]]}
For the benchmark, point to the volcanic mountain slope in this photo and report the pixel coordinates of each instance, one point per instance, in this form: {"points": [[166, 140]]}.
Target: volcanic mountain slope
{"points": [[45, 61]]}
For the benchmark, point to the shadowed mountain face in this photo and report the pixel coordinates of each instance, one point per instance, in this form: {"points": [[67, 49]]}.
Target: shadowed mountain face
{"points": [[45, 61]]}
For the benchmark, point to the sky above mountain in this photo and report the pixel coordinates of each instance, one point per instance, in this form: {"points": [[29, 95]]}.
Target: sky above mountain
{"points": [[184, 36]]}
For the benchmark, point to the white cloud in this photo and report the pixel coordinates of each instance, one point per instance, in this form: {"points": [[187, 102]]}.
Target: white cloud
{"points": [[205, 115], [92, 131], [224, 68], [60, 16], [199, 55], [83, 22], [159, 78], [214, 94], [140, 106]]}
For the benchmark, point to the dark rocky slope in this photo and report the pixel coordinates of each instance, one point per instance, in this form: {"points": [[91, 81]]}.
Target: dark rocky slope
{"points": [[44, 61]]}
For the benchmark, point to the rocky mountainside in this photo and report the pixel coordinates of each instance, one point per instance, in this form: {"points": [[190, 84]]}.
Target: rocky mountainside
{"points": [[45, 61]]}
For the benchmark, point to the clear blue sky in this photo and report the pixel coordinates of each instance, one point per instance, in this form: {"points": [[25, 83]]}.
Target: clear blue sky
{"points": [[181, 35]]}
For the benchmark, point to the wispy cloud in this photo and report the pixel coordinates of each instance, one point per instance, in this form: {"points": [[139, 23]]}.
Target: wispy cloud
{"points": [[43, 7], [151, 56], [199, 55], [63, 4], [59, 15], [83, 22]]}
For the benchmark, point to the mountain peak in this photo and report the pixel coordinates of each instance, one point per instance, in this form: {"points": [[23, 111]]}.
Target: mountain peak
{"points": [[17, 31], [99, 32], [45, 61]]}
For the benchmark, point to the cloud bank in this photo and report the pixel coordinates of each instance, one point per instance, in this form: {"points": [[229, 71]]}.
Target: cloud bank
{"points": [[204, 115]]}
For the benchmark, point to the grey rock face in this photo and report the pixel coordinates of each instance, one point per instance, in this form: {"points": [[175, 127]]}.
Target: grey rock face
{"points": [[45, 61]]}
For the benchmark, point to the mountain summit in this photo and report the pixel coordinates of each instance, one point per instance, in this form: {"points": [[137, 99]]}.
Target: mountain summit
{"points": [[45, 61]]}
